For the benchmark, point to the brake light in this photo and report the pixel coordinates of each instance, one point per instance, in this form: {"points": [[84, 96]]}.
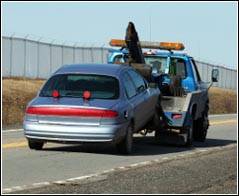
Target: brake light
{"points": [[176, 116], [55, 94], [86, 95], [63, 111]]}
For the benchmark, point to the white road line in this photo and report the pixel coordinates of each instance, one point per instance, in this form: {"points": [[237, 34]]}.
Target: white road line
{"points": [[11, 130], [41, 183], [161, 160], [217, 115], [59, 182]]}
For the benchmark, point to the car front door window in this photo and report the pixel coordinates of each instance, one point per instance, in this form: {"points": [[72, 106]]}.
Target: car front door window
{"points": [[130, 89], [138, 81]]}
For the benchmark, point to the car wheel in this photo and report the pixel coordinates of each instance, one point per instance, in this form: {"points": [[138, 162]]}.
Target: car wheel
{"points": [[35, 144], [125, 145]]}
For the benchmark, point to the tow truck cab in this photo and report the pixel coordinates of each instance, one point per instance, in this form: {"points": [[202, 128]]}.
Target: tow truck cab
{"points": [[167, 63]]}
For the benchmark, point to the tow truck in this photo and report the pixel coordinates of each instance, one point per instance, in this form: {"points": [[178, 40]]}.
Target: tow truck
{"points": [[182, 111]]}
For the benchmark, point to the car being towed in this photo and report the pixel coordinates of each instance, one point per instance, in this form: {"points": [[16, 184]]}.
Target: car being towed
{"points": [[90, 103]]}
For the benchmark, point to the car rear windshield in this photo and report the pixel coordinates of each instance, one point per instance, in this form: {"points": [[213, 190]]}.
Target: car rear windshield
{"points": [[73, 85]]}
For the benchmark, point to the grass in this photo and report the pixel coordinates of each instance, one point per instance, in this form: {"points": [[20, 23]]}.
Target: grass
{"points": [[222, 101], [17, 92]]}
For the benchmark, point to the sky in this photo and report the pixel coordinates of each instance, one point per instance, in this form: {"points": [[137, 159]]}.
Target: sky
{"points": [[209, 30]]}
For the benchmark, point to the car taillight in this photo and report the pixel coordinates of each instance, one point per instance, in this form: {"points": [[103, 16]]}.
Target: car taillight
{"points": [[62, 111], [176, 116]]}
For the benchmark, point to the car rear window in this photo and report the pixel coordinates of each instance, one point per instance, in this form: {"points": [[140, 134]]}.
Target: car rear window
{"points": [[73, 85]]}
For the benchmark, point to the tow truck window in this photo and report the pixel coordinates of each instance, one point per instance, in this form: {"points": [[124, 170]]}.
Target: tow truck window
{"points": [[157, 63], [177, 66], [195, 71], [119, 59]]}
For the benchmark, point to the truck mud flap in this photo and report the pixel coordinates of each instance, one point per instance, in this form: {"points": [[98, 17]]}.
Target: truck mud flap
{"points": [[171, 138]]}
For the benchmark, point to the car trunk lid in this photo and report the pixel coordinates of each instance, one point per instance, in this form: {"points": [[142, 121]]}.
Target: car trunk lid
{"points": [[71, 111]]}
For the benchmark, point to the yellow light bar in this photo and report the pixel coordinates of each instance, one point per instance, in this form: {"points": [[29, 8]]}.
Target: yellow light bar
{"points": [[171, 46], [150, 45], [117, 42]]}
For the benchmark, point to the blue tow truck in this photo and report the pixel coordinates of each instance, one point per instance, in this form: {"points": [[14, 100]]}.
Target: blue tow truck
{"points": [[184, 104]]}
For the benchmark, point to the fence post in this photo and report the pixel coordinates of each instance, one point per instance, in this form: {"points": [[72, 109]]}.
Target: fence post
{"points": [[25, 55], [38, 57], [74, 52], [92, 56], [62, 57], [11, 53], [51, 64], [83, 56], [102, 53]]}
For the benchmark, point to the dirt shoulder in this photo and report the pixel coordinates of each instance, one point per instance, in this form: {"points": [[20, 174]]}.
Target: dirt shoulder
{"points": [[17, 92]]}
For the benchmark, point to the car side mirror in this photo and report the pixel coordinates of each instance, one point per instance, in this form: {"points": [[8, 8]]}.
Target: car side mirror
{"points": [[215, 74], [140, 89]]}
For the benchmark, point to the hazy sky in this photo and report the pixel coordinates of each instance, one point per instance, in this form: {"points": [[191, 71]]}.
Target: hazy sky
{"points": [[209, 30]]}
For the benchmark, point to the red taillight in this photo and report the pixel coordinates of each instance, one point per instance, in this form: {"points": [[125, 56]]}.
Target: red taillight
{"points": [[176, 116], [62, 111], [55, 94], [86, 95]]}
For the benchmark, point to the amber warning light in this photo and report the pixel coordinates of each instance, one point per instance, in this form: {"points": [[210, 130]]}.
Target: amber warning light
{"points": [[151, 45]]}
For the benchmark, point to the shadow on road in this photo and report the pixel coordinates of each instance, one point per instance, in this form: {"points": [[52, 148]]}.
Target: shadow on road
{"points": [[143, 146]]}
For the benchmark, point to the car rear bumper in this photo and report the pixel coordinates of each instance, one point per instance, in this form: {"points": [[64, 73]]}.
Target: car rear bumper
{"points": [[74, 133]]}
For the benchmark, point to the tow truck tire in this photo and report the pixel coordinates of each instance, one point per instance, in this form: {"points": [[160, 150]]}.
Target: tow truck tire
{"points": [[125, 145], [189, 138], [200, 129], [35, 144]]}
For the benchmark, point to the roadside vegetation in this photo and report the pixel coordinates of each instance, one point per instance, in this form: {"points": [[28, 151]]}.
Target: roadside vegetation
{"points": [[17, 92]]}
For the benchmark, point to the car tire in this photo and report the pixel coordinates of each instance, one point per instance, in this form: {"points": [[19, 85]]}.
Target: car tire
{"points": [[125, 146], [35, 144]]}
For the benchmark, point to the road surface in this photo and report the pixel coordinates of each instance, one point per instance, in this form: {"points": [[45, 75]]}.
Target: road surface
{"points": [[65, 166]]}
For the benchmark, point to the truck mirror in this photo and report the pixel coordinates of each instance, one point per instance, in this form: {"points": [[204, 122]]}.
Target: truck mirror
{"points": [[153, 85], [215, 74], [155, 72]]}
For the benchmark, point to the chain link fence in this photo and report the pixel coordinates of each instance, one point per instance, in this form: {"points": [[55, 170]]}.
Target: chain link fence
{"points": [[25, 57]]}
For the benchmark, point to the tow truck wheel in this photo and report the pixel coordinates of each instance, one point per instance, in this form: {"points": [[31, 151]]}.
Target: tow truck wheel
{"points": [[35, 144], [125, 146], [200, 129], [189, 137]]}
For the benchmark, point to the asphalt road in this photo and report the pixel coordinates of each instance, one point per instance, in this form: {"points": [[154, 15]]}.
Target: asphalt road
{"points": [[23, 168]]}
